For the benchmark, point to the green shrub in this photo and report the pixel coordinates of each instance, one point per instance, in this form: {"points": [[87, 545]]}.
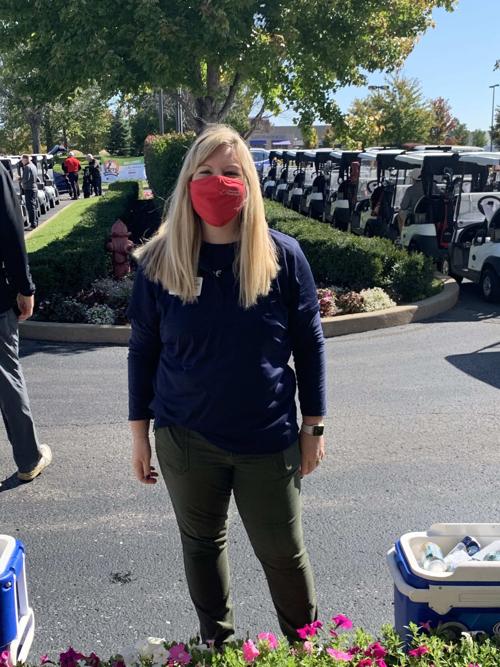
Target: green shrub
{"points": [[68, 264], [163, 157], [355, 262]]}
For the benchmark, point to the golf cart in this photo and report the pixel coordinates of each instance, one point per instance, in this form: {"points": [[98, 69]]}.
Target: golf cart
{"points": [[10, 164], [295, 189], [313, 199], [269, 183], [342, 201], [474, 250], [428, 227], [374, 214]]}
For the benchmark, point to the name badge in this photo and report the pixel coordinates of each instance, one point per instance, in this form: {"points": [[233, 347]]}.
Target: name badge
{"points": [[198, 283]]}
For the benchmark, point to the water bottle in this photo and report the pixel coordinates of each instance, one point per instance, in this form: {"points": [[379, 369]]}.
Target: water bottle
{"points": [[433, 560], [489, 552], [462, 552]]}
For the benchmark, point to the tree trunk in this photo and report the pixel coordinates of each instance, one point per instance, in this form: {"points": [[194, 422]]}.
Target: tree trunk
{"points": [[34, 118]]}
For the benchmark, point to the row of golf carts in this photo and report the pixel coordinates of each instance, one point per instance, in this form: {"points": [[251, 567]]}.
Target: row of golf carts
{"points": [[455, 220], [48, 190]]}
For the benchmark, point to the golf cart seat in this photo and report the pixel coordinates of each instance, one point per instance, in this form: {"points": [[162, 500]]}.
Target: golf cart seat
{"points": [[400, 192], [494, 227], [429, 209]]}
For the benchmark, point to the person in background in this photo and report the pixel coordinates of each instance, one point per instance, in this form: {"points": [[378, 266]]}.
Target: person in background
{"points": [[95, 175], [16, 303], [30, 189], [72, 167], [410, 198], [220, 303]]}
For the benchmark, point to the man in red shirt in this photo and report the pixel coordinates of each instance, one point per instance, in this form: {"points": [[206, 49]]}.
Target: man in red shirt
{"points": [[71, 166]]}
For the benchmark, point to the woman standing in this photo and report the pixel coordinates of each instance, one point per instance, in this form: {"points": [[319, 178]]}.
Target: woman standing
{"points": [[220, 303]]}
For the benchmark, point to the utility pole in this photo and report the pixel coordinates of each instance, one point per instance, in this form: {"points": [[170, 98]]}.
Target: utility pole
{"points": [[161, 112], [495, 85], [179, 114]]}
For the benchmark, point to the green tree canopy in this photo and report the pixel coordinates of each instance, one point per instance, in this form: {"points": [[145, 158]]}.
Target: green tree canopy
{"points": [[294, 52], [478, 138], [119, 135]]}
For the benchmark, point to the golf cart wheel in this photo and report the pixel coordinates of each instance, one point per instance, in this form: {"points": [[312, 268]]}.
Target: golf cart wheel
{"points": [[443, 266], [369, 230], [490, 285], [52, 203]]}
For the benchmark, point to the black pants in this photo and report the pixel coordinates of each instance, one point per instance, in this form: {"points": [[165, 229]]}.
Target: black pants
{"points": [[31, 199], [74, 188], [200, 479], [96, 186]]}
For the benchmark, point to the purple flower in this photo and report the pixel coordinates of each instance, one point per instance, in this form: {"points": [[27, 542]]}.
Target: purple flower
{"points": [[418, 652], [268, 637], [376, 650], [70, 658], [179, 655]]}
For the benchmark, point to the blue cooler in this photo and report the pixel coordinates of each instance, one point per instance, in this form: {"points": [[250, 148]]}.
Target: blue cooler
{"points": [[17, 623], [467, 599]]}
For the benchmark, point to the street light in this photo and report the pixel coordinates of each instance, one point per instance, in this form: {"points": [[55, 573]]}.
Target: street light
{"points": [[495, 85]]}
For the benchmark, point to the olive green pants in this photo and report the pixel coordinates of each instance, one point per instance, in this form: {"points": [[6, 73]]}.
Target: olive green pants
{"points": [[200, 478]]}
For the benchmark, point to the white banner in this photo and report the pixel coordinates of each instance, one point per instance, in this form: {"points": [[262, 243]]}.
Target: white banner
{"points": [[112, 171]]}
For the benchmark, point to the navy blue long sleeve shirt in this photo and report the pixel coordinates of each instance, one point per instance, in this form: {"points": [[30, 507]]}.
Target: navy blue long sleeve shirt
{"points": [[222, 370]]}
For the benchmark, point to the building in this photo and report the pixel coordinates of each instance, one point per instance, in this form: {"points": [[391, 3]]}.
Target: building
{"points": [[281, 136]]}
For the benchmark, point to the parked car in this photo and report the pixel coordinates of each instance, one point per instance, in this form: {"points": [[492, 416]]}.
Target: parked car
{"points": [[261, 159]]}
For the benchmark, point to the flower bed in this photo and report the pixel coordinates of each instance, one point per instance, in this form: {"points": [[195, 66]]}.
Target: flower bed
{"points": [[330, 645]]}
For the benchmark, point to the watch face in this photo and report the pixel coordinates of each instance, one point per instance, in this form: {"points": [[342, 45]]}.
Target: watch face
{"points": [[318, 430]]}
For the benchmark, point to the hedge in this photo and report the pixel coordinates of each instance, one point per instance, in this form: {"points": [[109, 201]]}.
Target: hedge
{"points": [[163, 156], [346, 260], [71, 262]]}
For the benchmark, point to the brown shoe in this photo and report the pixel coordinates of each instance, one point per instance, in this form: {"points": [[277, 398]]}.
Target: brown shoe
{"points": [[44, 461]]}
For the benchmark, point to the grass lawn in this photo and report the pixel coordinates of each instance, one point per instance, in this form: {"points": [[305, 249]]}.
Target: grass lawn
{"points": [[59, 226]]}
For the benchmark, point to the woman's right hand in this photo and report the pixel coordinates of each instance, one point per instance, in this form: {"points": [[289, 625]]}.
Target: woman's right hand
{"points": [[141, 461]]}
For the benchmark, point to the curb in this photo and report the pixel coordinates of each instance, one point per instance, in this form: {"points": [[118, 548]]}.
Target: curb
{"points": [[332, 326]]}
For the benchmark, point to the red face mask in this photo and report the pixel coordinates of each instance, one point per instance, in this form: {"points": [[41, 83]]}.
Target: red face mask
{"points": [[217, 199]]}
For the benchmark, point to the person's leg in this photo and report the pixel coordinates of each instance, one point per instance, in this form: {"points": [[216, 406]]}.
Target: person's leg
{"points": [[72, 185], [34, 196], [77, 185], [29, 208], [14, 403], [267, 493], [199, 480]]}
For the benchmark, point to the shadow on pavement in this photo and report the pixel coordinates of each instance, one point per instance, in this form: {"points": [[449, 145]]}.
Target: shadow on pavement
{"points": [[483, 364], [10, 483], [470, 307], [29, 347]]}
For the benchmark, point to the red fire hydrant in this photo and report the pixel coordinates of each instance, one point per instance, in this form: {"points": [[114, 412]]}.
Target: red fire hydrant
{"points": [[120, 246]]}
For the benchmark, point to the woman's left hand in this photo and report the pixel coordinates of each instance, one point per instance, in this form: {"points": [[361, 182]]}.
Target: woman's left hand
{"points": [[312, 452]]}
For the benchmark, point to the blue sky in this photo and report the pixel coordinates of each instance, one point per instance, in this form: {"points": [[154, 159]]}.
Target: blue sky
{"points": [[454, 60]]}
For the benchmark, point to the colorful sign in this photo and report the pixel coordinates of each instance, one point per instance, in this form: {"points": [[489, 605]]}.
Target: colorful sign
{"points": [[112, 171]]}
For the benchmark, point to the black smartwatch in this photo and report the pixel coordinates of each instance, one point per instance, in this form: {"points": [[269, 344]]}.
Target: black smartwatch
{"points": [[313, 429]]}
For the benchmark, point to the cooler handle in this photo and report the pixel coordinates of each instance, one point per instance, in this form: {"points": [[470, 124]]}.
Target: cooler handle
{"points": [[444, 598]]}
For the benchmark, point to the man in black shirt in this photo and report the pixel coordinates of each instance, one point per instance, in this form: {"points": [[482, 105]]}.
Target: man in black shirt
{"points": [[16, 303]]}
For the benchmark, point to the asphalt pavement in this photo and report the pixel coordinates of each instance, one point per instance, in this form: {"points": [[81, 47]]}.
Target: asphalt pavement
{"points": [[412, 436]]}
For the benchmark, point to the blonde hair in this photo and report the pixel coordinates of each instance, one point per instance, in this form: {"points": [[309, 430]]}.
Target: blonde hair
{"points": [[171, 256]]}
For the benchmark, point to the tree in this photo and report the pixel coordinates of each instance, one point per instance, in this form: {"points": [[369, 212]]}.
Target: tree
{"points": [[309, 133], [296, 53], [479, 138], [119, 135], [495, 135], [444, 123], [329, 138], [392, 117], [459, 135]]}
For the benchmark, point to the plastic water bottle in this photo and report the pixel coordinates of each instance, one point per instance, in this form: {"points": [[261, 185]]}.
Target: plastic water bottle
{"points": [[433, 560], [462, 552], [489, 553]]}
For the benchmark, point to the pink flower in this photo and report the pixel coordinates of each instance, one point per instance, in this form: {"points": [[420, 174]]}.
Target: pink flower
{"points": [[376, 650], [472, 664], [339, 655], [70, 658], [342, 622], [44, 659], [307, 631], [178, 654], [5, 659], [250, 651], [317, 625], [366, 662], [380, 662], [419, 651], [333, 634], [426, 625], [308, 647], [269, 638]]}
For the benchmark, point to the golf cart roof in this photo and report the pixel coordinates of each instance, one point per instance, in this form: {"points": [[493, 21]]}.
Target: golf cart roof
{"points": [[343, 158], [484, 159], [454, 148], [273, 154], [385, 158]]}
